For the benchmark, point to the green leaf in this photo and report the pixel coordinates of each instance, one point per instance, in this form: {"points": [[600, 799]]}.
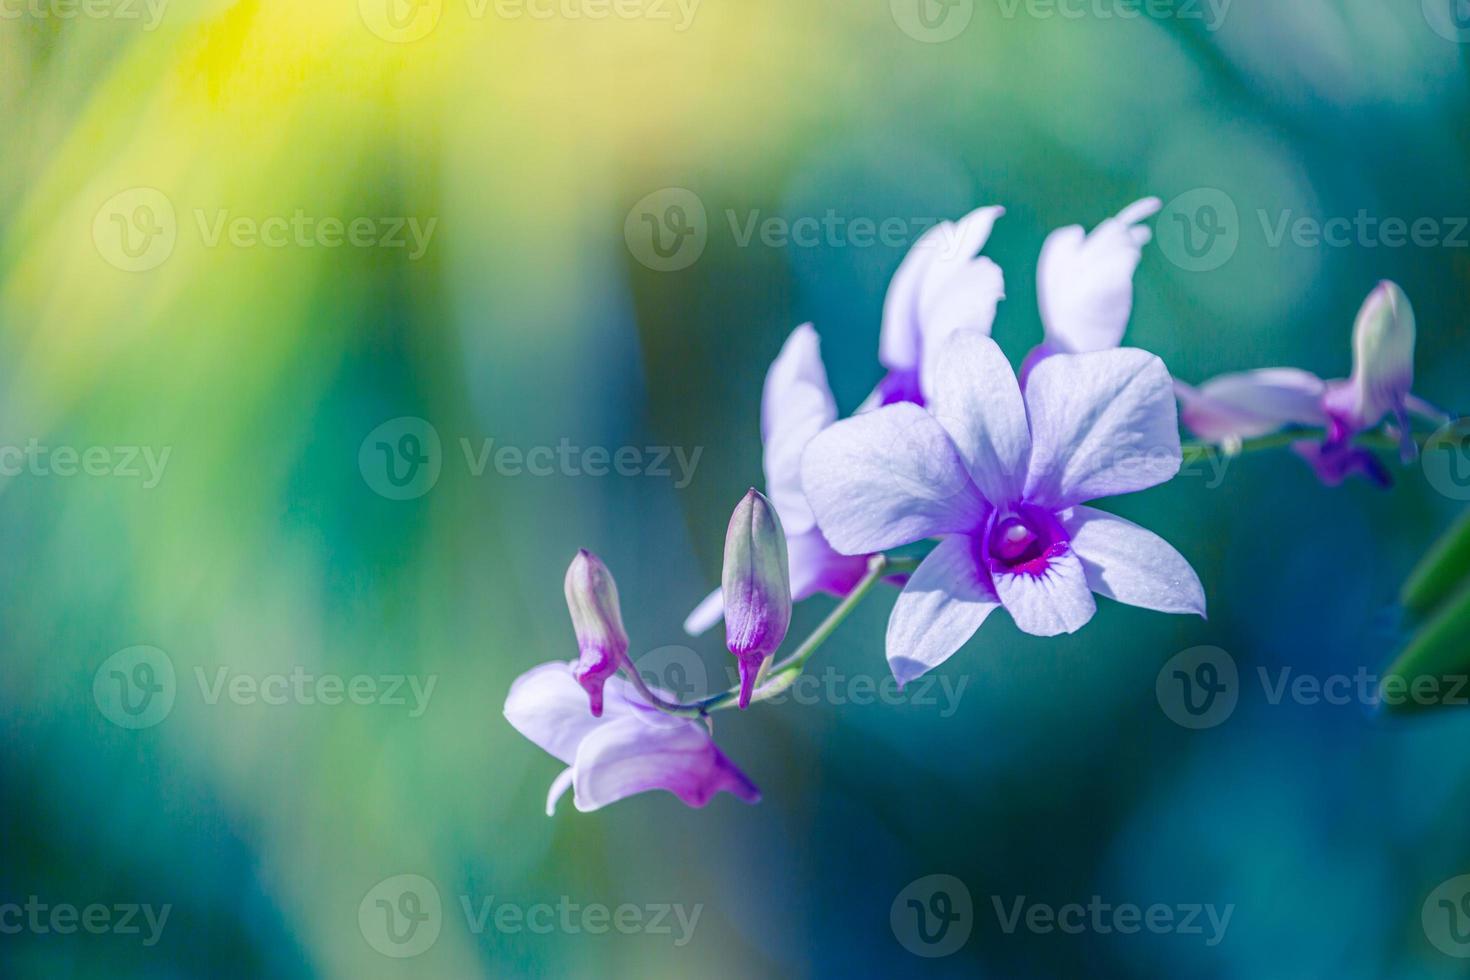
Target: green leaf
{"points": [[1433, 668], [1441, 571]]}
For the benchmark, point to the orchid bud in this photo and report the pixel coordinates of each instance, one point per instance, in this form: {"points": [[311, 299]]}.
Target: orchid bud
{"points": [[756, 585], [592, 599], [1383, 354]]}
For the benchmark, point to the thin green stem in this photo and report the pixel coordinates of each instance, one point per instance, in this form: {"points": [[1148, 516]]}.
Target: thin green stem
{"points": [[779, 675], [1196, 452], [879, 566]]}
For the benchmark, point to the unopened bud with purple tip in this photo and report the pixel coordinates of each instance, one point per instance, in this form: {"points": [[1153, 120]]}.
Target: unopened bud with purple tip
{"points": [[756, 586], [1383, 359], [1383, 374], [597, 619]]}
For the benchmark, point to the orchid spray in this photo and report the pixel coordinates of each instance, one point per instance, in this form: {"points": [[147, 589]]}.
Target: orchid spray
{"points": [[987, 478]]}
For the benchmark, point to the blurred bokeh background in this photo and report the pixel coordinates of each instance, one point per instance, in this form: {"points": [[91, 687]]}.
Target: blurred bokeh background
{"points": [[242, 242]]}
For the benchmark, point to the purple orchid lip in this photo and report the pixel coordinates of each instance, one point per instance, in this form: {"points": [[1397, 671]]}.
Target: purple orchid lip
{"points": [[1021, 540]]}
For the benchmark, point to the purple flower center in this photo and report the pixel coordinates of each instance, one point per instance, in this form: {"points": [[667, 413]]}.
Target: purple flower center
{"points": [[1012, 541], [1022, 541], [900, 386]]}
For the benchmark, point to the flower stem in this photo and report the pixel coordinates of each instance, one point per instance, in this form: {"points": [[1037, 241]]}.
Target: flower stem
{"points": [[1381, 438], [779, 676]]}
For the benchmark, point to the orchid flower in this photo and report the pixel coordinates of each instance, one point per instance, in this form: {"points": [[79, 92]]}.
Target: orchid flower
{"points": [[1248, 404], [1084, 283], [942, 286], [1001, 478], [796, 404], [631, 748]]}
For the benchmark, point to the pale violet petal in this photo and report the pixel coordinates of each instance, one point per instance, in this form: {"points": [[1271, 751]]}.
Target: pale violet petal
{"points": [[1054, 602], [1248, 404], [1383, 354], [940, 608], [898, 339], [1430, 413], [939, 267], [977, 400], [888, 478], [964, 302], [817, 567], [705, 615], [629, 756], [1131, 564], [549, 707], [559, 786], [1085, 282], [1034, 357], [796, 404], [1102, 424]]}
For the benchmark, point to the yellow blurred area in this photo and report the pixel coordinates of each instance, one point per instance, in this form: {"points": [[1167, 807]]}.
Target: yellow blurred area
{"points": [[264, 106]]}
